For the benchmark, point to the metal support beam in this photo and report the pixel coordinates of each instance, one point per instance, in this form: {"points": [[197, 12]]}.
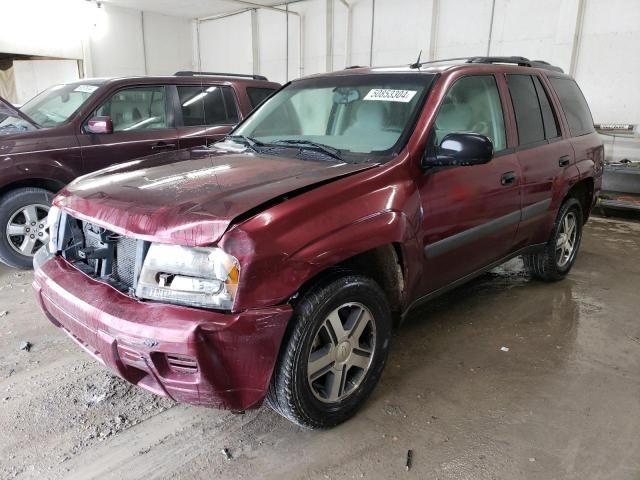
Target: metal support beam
{"points": [[329, 35], [255, 43], [373, 22], [493, 11], [577, 38], [435, 14], [347, 36], [144, 44]]}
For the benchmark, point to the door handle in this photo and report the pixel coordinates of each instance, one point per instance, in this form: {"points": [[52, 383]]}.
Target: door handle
{"points": [[507, 178], [162, 146], [564, 160]]}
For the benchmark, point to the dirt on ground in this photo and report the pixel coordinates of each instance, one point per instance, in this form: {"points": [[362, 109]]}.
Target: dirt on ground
{"points": [[504, 377]]}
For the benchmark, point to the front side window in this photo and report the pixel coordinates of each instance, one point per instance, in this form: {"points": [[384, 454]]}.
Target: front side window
{"points": [[355, 115], [207, 105], [574, 105], [472, 105], [137, 108], [55, 105]]}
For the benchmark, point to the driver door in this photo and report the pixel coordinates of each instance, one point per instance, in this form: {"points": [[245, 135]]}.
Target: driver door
{"points": [[142, 125], [470, 213]]}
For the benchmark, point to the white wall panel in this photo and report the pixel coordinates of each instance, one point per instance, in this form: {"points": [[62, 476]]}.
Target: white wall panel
{"points": [[527, 29], [272, 44], [34, 76], [462, 28], [609, 60], [401, 30], [225, 44], [168, 44], [43, 27], [116, 42]]}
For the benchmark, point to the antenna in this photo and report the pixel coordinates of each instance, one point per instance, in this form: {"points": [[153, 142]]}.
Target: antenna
{"points": [[417, 64]]}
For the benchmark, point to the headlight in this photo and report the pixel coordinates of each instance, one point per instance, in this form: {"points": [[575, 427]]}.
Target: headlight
{"points": [[53, 222], [194, 276]]}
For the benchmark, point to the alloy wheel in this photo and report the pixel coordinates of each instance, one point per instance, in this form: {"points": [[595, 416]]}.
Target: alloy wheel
{"points": [[566, 240], [27, 230], [341, 353]]}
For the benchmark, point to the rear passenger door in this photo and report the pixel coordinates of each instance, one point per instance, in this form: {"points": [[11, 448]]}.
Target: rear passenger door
{"points": [[204, 113], [542, 152], [142, 125]]}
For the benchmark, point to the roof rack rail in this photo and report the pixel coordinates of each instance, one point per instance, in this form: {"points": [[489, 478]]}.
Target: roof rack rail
{"points": [[189, 73], [521, 61]]}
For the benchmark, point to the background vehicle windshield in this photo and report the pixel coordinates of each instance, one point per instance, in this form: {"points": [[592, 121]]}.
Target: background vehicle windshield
{"points": [[357, 114], [56, 104]]}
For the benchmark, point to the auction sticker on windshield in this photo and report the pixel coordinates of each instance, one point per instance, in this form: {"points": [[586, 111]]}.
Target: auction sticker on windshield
{"points": [[390, 95], [85, 88]]}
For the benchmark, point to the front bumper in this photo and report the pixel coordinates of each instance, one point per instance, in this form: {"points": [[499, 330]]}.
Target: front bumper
{"points": [[191, 355]]}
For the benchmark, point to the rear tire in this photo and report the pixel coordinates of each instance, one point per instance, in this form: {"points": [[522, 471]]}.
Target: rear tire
{"points": [[554, 261], [334, 352], [20, 238]]}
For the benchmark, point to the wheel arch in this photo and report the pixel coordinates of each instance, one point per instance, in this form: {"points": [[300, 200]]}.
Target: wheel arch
{"points": [[583, 192], [377, 247], [45, 183]]}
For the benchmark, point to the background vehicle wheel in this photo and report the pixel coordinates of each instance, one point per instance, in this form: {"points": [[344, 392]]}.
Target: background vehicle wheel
{"points": [[23, 215], [559, 254], [334, 353]]}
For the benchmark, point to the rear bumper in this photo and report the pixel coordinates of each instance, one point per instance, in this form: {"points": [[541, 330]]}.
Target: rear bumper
{"points": [[193, 356]]}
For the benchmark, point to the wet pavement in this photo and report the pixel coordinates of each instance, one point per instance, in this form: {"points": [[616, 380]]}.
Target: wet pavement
{"points": [[504, 377]]}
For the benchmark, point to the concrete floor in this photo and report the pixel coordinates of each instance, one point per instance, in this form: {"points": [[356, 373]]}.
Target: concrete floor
{"points": [[563, 402]]}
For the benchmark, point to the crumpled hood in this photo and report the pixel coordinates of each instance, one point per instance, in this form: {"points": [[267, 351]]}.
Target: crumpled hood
{"points": [[189, 197]]}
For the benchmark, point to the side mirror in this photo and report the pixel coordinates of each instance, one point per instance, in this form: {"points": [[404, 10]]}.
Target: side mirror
{"points": [[459, 149], [100, 125]]}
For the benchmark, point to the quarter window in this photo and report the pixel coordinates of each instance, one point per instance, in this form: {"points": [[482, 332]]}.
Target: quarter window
{"points": [[527, 109], [472, 105], [207, 105], [551, 127], [574, 105], [258, 95], [136, 109]]}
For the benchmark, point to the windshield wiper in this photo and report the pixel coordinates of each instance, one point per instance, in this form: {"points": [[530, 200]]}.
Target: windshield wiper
{"points": [[252, 143], [332, 152]]}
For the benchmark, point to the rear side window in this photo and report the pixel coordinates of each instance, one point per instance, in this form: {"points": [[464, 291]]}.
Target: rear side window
{"points": [[574, 106], [207, 105], [258, 95], [527, 109]]}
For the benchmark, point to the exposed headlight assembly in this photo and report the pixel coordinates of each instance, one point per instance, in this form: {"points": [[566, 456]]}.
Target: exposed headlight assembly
{"points": [[53, 224], [194, 276]]}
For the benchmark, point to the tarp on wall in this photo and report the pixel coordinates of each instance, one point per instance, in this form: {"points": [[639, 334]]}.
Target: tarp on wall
{"points": [[8, 85]]}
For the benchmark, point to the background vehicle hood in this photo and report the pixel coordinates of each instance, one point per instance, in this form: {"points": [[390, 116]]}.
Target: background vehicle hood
{"points": [[6, 110], [190, 197]]}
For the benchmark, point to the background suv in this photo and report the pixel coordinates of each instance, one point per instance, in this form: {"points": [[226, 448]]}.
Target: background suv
{"points": [[273, 264], [69, 130]]}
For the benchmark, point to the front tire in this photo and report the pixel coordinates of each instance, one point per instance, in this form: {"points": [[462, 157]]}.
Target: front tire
{"points": [[334, 353], [23, 222], [554, 261]]}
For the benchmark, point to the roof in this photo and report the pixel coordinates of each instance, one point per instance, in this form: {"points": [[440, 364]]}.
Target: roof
{"points": [[439, 66]]}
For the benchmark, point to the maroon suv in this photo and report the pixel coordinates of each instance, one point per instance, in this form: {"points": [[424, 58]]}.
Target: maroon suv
{"points": [[77, 128], [274, 263]]}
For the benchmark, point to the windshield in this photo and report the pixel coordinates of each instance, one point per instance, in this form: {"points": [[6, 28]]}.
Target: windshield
{"points": [[55, 105], [355, 116]]}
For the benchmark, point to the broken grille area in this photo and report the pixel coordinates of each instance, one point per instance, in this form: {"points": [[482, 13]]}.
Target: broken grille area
{"points": [[111, 257]]}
